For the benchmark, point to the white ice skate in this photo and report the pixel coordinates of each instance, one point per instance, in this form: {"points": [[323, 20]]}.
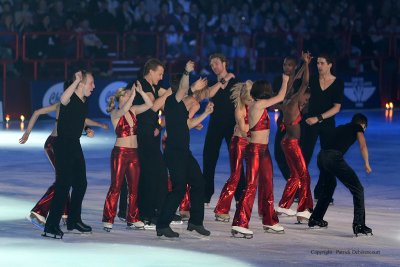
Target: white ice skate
{"points": [[185, 215], [303, 216], [222, 217], [288, 212], [64, 219], [107, 226], [139, 225], [242, 232], [276, 228], [37, 220]]}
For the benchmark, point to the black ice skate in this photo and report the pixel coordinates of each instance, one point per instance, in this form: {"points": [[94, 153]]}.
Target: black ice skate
{"points": [[199, 229], [167, 232], [241, 232], [53, 231], [314, 223], [79, 228], [361, 229]]}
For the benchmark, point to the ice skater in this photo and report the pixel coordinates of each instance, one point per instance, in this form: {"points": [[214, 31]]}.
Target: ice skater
{"points": [[258, 162], [299, 178], [70, 162], [182, 166], [241, 98], [332, 164], [124, 156]]}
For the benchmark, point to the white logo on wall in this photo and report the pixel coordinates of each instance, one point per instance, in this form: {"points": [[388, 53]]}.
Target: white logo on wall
{"points": [[52, 96], [108, 91], [358, 90]]}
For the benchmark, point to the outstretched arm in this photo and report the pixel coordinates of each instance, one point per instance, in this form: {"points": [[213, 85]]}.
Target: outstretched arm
{"points": [[197, 120], [184, 83], [265, 103], [364, 151], [34, 118], [90, 122]]}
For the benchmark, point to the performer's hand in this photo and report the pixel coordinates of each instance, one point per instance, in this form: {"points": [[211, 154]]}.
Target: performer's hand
{"points": [[209, 108], [368, 168], [199, 84], [104, 126], [285, 78], [168, 92], [89, 132], [306, 56], [156, 132], [312, 120], [78, 76], [24, 138], [138, 87], [189, 66], [199, 126], [229, 76]]}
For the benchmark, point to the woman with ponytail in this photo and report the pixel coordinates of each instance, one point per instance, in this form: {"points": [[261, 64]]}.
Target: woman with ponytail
{"points": [[124, 156], [240, 96]]}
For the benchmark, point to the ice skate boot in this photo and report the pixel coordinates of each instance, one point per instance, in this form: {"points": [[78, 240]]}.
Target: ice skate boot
{"points": [[314, 223], [303, 216], [167, 232], [122, 217], [361, 229], [64, 219], [53, 231], [107, 226], [222, 217], [177, 219], [198, 228], [37, 220], [241, 232], [139, 225], [79, 228], [287, 212], [185, 215], [275, 229]]}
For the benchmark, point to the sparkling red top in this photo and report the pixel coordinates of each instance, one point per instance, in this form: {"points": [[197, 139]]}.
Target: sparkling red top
{"points": [[263, 123], [123, 128]]}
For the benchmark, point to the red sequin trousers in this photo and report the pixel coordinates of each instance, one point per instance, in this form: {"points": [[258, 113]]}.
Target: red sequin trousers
{"points": [[124, 162], [258, 171], [237, 149], [42, 207], [299, 177]]}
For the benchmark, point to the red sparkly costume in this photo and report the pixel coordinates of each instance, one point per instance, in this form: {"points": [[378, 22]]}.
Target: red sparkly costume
{"points": [[42, 207], [258, 171], [124, 162], [299, 177], [237, 153]]}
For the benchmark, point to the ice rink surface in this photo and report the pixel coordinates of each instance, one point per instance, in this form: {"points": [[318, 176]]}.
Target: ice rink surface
{"points": [[25, 175]]}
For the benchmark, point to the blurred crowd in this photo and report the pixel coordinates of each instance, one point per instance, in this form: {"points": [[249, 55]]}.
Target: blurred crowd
{"points": [[236, 28]]}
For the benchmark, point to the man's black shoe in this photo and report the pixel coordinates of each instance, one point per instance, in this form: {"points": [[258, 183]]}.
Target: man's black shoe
{"points": [[167, 232], [79, 227], [199, 229]]}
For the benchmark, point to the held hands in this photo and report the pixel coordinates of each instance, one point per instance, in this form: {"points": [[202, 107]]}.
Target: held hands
{"points": [[209, 108], [312, 120], [24, 138], [306, 57], [189, 66], [199, 84]]}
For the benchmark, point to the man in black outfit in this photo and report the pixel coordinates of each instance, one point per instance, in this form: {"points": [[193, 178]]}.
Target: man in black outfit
{"points": [[325, 102], [182, 166], [332, 164], [221, 124], [70, 167], [153, 186]]}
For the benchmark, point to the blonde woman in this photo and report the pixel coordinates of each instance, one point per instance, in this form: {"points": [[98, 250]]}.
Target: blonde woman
{"points": [[241, 98], [124, 156]]}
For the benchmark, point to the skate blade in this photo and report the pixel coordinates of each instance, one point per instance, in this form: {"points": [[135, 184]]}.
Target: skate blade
{"points": [[76, 232], [316, 227], [35, 223], [149, 227], [122, 219], [48, 235], [222, 220], [107, 229], [134, 228], [237, 234], [362, 235], [270, 231], [176, 222], [300, 220]]}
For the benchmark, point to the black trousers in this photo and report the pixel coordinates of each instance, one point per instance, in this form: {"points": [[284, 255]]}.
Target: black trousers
{"points": [[309, 137], [278, 152], [216, 132], [70, 172], [331, 165], [183, 169], [153, 187]]}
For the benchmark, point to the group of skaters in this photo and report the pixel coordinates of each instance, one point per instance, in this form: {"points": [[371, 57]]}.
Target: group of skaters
{"points": [[151, 184]]}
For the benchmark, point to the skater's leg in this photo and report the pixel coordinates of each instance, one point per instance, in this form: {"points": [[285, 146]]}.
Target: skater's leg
{"points": [[132, 175]]}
